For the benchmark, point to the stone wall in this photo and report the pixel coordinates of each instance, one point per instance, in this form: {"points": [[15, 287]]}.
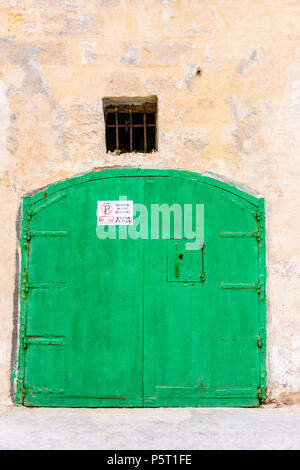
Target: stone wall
{"points": [[238, 117]]}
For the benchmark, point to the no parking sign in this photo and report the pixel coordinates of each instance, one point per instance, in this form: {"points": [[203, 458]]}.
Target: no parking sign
{"points": [[115, 213]]}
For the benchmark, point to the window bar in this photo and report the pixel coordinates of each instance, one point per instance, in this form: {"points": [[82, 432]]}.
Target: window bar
{"points": [[155, 130], [117, 128], [145, 131], [130, 127], [133, 125]]}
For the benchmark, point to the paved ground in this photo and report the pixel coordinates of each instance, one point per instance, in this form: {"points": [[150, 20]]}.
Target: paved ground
{"points": [[160, 428]]}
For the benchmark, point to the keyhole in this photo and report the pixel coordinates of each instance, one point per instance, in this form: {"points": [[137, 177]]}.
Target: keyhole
{"points": [[180, 256]]}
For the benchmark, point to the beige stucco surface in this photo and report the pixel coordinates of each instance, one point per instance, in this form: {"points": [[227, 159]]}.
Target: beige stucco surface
{"points": [[239, 118]]}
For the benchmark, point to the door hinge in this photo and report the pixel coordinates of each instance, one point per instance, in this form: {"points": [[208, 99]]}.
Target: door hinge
{"points": [[21, 391], [25, 240], [261, 394], [259, 342], [25, 287], [256, 235], [23, 341], [260, 216], [260, 287], [27, 236], [260, 219]]}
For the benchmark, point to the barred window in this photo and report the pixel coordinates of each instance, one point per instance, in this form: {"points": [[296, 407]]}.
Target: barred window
{"points": [[130, 124]]}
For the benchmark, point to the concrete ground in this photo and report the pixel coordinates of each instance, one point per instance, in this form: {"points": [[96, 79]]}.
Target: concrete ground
{"points": [[160, 428]]}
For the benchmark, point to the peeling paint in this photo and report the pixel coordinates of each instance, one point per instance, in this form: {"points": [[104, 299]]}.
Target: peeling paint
{"points": [[130, 57], [239, 111], [89, 52], [193, 70], [25, 56], [243, 65], [4, 123]]}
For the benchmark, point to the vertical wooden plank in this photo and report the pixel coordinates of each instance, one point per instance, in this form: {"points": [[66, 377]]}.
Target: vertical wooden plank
{"points": [[201, 340], [167, 305], [260, 219]]}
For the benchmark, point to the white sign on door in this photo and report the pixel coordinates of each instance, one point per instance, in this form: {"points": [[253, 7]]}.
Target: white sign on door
{"points": [[115, 212]]}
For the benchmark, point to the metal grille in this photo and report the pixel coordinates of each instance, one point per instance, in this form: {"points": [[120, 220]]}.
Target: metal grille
{"points": [[131, 128]]}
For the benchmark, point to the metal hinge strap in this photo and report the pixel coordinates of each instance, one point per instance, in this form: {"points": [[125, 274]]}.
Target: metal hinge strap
{"points": [[35, 210], [40, 340], [256, 235], [238, 285], [259, 286], [46, 285], [26, 286], [57, 341], [47, 233]]}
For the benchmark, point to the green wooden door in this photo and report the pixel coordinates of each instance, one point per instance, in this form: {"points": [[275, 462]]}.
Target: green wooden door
{"points": [[201, 334], [86, 293], [141, 322]]}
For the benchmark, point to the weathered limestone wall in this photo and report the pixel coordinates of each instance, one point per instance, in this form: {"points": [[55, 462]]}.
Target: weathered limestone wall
{"points": [[239, 117]]}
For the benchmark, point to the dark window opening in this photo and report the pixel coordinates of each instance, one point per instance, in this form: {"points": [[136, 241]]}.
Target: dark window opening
{"points": [[131, 126]]}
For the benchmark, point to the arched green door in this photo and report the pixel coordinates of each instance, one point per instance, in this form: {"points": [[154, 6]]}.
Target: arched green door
{"points": [[135, 320]]}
